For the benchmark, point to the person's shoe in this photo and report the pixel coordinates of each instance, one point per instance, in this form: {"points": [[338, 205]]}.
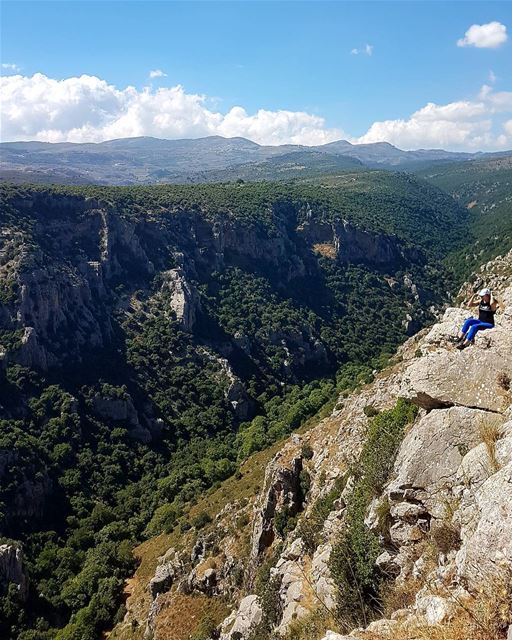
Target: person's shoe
{"points": [[455, 339], [462, 346]]}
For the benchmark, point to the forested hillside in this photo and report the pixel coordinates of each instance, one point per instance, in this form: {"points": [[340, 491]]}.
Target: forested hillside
{"points": [[153, 337], [484, 187]]}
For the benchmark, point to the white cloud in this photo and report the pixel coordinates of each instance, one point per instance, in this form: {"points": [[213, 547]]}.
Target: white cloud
{"points": [[366, 50], [492, 76], [157, 73], [10, 66], [465, 125], [484, 36], [86, 108]]}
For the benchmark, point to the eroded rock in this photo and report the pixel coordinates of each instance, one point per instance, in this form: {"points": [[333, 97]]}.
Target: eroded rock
{"points": [[240, 624], [12, 569]]}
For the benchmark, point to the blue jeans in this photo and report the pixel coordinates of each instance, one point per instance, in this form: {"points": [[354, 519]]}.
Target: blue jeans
{"points": [[472, 325]]}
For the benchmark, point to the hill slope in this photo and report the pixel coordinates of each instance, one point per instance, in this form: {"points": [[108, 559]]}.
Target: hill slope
{"points": [[151, 160], [484, 187], [151, 338], [389, 519]]}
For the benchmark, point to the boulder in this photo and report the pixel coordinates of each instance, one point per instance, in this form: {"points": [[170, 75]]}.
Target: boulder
{"points": [[240, 624], [487, 540], [430, 456], [162, 581], [473, 377], [332, 635], [121, 409], [434, 609]]}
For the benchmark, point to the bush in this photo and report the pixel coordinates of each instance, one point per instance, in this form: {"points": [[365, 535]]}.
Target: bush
{"points": [[310, 527], [164, 520], [284, 522], [201, 520], [307, 451], [353, 557]]}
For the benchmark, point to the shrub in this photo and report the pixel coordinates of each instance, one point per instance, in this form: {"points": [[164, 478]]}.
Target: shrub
{"points": [[503, 380], [242, 521], [163, 520], [284, 522], [310, 527], [370, 411], [271, 610], [353, 557], [307, 451], [201, 520]]}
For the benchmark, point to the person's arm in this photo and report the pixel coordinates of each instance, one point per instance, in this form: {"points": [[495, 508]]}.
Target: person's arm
{"points": [[494, 305], [474, 301]]}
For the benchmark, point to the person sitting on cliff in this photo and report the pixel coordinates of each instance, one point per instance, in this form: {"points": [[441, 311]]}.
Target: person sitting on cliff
{"points": [[487, 306]]}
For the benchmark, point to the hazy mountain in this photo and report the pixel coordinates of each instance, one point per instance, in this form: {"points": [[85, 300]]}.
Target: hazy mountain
{"points": [[147, 160]]}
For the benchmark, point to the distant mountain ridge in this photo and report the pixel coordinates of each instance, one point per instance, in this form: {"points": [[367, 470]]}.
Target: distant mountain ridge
{"points": [[146, 160]]}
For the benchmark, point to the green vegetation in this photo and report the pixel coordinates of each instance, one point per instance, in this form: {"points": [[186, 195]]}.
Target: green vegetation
{"points": [[311, 527], [116, 443], [484, 187], [353, 557]]}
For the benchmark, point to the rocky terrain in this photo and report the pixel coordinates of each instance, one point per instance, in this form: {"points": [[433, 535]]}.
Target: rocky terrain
{"points": [[439, 524]]}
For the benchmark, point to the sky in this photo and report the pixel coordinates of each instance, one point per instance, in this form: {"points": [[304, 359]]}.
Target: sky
{"points": [[417, 74]]}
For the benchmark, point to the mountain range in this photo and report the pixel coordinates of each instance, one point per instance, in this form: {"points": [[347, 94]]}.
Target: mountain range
{"points": [[147, 160]]}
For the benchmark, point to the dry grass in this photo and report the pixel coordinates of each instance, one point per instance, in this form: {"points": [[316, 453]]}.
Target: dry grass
{"points": [[401, 594], [311, 627], [490, 433], [486, 616], [325, 249], [183, 615]]}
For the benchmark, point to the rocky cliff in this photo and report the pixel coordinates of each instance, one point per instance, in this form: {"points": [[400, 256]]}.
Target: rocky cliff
{"points": [[440, 523], [66, 271]]}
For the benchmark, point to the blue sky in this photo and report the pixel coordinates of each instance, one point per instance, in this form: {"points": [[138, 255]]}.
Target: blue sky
{"points": [[272, 56]]}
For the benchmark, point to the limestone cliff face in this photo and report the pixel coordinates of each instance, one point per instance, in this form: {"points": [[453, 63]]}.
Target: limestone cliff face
{"points": [[352, 244], [61, 276], [12, 570], [66, 275], [448, 502]]}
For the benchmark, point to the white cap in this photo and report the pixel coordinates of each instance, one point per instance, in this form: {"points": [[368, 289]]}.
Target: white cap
{"points": [[484, 292]]}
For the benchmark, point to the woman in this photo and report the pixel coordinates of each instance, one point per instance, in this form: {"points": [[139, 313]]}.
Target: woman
{"points": [[487, 306]]}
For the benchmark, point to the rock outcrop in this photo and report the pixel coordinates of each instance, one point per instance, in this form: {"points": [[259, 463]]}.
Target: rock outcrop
{"points": [[282, 492], [184, 299], [240, 624], [12, 570], [352, 244]]}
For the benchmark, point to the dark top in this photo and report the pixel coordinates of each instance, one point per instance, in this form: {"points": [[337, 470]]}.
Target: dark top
{"points": [[485, 313]]}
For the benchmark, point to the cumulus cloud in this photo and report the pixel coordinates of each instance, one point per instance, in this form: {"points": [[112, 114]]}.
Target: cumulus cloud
{"points": [[484, 36], [11, 67], [88, 109], [367, 50], [157, 73], [465, 125]]}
